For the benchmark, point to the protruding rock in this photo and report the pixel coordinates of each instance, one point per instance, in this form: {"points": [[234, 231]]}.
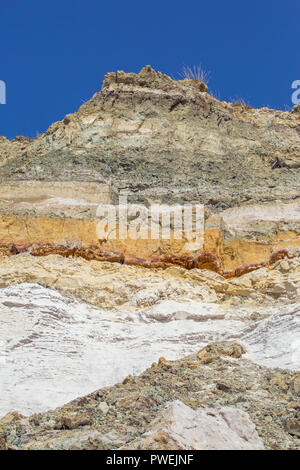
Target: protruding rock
{"points": [[149, 78], [216, 350], [73, 420], [296, 109], [179, 427]]}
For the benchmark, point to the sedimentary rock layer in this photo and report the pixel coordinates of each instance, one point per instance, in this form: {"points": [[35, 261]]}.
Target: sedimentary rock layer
{"points": [[69, 326], [157, 140], [70, 236]]}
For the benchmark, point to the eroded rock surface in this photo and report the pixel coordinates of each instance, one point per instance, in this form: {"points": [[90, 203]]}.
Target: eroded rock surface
{"points": [[64, 322], [161, 141], [79, 311]]}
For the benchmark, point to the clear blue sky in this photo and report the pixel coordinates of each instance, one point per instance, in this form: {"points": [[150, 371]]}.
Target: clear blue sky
{"points": [[55, 53]]}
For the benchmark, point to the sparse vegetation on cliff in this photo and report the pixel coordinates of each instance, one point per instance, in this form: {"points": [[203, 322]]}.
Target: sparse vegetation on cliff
{"points": [[196, 73]]}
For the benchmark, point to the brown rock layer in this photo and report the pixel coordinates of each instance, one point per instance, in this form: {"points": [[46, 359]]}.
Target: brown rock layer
{"points": [[78, 237]]}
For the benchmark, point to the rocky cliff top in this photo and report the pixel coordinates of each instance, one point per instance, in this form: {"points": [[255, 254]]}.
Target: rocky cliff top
{"points": [[165, 140]]}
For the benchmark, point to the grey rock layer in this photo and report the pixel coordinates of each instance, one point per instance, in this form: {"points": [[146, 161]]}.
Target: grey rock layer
{"points": [[168, 141]]}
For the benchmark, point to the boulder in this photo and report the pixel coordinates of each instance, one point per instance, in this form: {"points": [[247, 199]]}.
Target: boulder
{"points": [[179, 427]]}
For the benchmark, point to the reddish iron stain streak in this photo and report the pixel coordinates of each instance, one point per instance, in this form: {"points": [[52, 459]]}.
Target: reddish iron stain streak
{"points": [[205, 260]]}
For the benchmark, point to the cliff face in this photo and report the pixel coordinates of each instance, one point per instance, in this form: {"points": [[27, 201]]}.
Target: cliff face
{"points": [[70, 325], [168, 141], [158, 141]]}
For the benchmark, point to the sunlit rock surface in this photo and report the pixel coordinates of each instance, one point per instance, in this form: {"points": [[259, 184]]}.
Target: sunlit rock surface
{"points": [[55, 348], [179, 427], [157, 141], [214, 326]]}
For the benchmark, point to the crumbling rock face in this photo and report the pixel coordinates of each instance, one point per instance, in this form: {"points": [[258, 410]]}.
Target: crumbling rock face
{"points": [[148, 78], [70, 324], [140, 129], [157, 140]]}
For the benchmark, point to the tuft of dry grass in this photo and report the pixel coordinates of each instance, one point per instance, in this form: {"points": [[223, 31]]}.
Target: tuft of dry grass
{"points": [[196, 73], [238, 101]]}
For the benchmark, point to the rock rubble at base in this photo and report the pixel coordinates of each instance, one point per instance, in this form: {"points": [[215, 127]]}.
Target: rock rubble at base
{"points": [[118, 416]]}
